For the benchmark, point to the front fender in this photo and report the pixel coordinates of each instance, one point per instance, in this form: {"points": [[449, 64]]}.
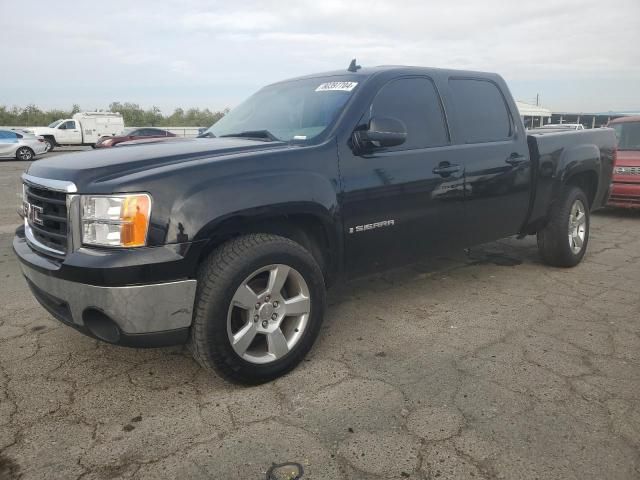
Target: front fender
{"points": [[199, 211]]}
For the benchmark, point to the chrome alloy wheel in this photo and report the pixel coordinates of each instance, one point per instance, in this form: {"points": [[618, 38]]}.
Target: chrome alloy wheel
{"points": [[577, 226], [268, 314], [24, 153]]}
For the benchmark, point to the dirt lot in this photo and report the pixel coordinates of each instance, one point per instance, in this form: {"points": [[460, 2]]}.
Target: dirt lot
{"points": [[487, 365]]}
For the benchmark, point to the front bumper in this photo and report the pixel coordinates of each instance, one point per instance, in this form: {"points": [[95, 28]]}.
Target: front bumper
{"points": [[625, 195], [141, 315]]}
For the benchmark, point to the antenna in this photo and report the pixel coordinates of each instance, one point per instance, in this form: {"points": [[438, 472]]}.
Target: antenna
{"points": [[353, 67]]}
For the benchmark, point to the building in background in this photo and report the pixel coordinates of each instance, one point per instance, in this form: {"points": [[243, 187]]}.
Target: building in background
{"points": [[589, 120], [533, 116]]}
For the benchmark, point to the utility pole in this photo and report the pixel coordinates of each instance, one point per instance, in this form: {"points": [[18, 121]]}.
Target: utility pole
{"points": [[537, 99]]}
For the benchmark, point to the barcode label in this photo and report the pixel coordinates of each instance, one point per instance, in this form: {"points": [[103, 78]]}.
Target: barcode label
{"points": [[339, 86]]}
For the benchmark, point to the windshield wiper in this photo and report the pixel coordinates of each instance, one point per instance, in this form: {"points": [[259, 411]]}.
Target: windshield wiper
{"points": [[265, 135]]}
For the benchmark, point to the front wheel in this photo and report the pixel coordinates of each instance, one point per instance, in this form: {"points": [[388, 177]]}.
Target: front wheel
{"points": [[50, 144], [259, 307], [563, 241], [25, 154]]}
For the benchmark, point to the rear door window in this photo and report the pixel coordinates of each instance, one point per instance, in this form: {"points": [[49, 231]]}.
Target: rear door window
{"points": [[149, 132], [481, 111], [8, 137]]}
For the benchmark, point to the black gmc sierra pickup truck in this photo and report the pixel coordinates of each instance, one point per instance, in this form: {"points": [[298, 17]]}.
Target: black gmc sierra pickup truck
{"points": [[228, 243]]}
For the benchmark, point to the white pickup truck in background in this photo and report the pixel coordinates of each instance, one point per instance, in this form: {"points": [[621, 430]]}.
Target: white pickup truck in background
{"points": [[84, 128]]}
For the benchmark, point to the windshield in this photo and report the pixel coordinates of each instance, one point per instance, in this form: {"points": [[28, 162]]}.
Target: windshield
{"points": [[55, 124], [628, 134], [296, 110]]}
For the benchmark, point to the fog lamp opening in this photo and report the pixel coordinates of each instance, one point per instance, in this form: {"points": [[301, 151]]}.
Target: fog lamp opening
{"points": [[101, 325]]}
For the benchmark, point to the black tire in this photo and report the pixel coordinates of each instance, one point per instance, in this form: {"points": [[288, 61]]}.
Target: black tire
{"points": [[220, 275], [553, 241], [51, 144], [25, 154]]}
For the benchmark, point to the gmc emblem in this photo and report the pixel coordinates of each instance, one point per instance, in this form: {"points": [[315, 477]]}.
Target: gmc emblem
{"points": [[33, 213]]}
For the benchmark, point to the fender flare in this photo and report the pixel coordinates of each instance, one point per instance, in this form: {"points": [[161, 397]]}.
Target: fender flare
{"points": [[576, 160]]}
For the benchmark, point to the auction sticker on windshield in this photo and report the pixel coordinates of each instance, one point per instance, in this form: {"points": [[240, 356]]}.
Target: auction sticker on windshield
{"points": [[339, 86]]}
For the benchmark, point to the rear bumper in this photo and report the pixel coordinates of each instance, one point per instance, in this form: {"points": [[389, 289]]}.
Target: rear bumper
{"points": [[625, 195], [138, 315]]}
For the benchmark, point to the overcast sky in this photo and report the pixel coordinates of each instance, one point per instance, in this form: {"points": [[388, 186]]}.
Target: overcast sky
{"points": [[579, 55]]}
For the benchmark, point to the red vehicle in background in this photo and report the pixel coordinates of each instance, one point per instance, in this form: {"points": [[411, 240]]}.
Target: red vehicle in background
{"points": [[133, 134], [626, 171]]}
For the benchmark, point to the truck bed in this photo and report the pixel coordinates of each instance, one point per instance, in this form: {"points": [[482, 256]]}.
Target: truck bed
{"points": [[557, 155]]}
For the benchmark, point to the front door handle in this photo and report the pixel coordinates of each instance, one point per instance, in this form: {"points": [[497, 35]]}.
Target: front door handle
{"points": [[445, 169], [515, 159]]}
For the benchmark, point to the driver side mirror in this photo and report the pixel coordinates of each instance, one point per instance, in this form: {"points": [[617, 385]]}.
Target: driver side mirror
{"points": [[381, 132]]}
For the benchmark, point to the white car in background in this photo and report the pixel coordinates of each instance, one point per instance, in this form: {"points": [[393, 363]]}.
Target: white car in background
{"points": [[562, 126], [21, 145]]}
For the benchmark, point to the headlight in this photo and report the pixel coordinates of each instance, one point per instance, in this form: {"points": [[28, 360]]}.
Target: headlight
{"points": [[116, 220]]}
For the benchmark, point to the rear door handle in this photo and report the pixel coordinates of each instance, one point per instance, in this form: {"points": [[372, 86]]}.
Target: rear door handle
{"points": [[515, 159], [446, 169]]}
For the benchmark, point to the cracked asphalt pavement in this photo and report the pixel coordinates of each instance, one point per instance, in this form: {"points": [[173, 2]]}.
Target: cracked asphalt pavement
{"points": [[480, 365]]}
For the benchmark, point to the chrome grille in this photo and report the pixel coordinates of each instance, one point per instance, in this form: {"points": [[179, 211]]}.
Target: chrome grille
{"points": [[627, 170], [46, 217]]}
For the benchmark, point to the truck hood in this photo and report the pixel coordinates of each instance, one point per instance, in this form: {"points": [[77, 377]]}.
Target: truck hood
{"points": [[628, 158], [109, 165], [40, 130]]}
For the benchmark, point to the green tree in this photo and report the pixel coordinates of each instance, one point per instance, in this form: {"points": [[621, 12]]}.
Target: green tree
{"points": [[132, 113]]}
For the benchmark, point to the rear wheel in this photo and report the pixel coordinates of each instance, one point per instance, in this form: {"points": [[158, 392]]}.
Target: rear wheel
{"points": [[563, 241], [25, 154], [259, 307]]}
